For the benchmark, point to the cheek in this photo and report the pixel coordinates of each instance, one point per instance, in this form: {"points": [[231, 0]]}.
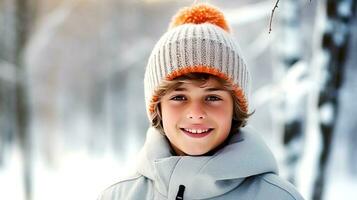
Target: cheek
{"points": [[169, 115], [225, 109], [223, 116]]}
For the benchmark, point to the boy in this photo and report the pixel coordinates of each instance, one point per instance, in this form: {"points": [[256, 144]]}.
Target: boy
{"points": [[196, 92]]}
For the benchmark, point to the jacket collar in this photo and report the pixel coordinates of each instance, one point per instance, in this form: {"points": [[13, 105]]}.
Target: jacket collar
{"points": [[204, 176]]}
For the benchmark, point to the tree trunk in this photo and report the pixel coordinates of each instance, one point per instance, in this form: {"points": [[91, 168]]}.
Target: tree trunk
{"points": [[333, 50], [24, 17]]}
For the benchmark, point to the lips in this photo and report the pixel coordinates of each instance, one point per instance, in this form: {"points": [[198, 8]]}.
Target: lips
{"points": [[197, 132]]}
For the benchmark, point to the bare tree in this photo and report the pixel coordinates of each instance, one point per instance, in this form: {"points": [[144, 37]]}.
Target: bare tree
{"points": [[6, 79], [23, 18], [331, 50]]}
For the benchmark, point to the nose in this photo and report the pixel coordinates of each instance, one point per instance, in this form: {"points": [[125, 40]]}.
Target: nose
{"points": [[196, 111]]}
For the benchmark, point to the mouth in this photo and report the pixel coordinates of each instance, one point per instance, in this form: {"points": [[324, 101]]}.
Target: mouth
{"points": [[197, 133]]}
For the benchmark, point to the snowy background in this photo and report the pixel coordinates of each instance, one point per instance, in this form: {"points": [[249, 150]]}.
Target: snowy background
{"points": [[72, 112]]}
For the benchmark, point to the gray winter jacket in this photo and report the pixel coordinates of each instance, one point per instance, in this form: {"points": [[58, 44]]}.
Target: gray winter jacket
{"points": [[245, 169]]}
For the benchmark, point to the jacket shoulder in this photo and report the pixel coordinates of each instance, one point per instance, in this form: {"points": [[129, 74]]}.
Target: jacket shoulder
{"points": [[135, 186], [280, 188]]}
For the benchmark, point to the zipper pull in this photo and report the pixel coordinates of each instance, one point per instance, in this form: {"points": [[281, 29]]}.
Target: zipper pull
{"points": [[180, 192]]}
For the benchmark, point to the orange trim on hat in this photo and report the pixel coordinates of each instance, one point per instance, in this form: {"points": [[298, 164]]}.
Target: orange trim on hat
{"points": [[242, 100]]}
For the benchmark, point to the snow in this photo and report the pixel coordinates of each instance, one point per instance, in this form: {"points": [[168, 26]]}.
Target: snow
{"points": [[327, 114], [11, 182], [67, 166]]}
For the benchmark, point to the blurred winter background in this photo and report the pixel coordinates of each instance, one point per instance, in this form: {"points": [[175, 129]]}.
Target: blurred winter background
{"points": [[72, 113]]}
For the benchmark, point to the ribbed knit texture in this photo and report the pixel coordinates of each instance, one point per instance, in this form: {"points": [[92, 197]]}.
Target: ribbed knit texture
{"points": [[196, 48]]}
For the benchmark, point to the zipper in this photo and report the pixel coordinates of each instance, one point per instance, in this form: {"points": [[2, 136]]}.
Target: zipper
{"points": [[180, 192]]}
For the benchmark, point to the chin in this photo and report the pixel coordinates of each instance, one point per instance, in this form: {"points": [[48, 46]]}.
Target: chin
{"points": [[196, 153]]}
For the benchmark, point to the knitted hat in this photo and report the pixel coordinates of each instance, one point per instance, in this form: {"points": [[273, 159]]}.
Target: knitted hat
{"points": [[198, 40]]}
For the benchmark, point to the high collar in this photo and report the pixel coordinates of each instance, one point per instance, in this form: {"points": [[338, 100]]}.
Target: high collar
{"points": [[204, 176]]}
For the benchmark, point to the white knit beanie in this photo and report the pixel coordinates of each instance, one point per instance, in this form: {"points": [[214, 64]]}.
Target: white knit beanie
{"points": [[198, 41]]}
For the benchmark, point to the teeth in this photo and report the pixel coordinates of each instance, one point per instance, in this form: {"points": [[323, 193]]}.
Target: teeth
{"points": [[196, 130]]}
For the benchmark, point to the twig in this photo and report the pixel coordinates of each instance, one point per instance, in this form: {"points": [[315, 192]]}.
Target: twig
{"points": [[272, 13]]}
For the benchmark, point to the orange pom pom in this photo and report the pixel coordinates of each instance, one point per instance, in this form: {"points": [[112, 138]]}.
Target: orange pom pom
{"points": [[199, 14]]}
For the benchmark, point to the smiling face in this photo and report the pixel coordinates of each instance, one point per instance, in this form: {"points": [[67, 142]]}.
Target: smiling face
{"points": [[197, 117]]}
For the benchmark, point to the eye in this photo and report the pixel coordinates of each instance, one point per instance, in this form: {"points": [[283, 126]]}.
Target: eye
{"points": [[179, 98], [213, 98]]}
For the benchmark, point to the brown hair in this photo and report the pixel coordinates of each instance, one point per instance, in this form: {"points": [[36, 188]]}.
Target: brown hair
{"points": [[239, 118]]}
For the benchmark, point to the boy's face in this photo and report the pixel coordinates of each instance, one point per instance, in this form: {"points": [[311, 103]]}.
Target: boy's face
{"points": [[197, 117]]}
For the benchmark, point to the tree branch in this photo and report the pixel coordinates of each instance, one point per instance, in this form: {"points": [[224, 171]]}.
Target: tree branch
{"points": [[272, 13]]}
